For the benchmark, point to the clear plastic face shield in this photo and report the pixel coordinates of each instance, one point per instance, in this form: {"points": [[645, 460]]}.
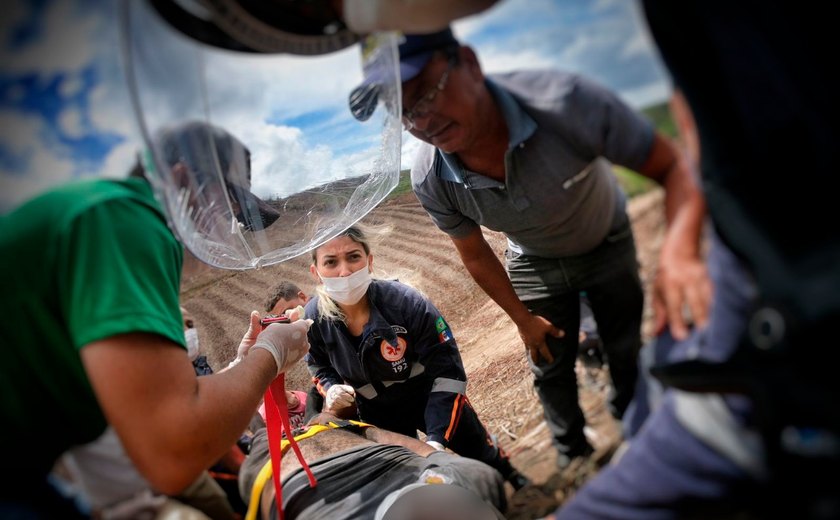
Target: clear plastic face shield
{"points": [[250, 147], [256, 157]]}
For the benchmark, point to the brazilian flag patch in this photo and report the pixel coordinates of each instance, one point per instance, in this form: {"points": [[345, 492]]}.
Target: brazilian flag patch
{"points": [[441, 324], [443, 329]]}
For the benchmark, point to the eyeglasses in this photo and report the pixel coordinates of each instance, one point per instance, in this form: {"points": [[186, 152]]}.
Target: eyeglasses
{"points": [[425, 104]]}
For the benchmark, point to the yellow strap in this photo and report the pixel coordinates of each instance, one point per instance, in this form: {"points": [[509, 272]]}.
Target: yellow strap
{"points": [[256, 491], [266, 472]]}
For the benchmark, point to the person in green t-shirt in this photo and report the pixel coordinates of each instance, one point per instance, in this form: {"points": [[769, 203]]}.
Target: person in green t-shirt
{"points": [[92, 334]]}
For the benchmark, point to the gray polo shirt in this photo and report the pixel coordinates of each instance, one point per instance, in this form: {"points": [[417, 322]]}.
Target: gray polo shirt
{"points": [[560, 197]]}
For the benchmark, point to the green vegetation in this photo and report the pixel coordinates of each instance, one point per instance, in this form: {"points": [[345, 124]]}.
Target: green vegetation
{"points": [[403, 186], [660, 116], [632, 183]]}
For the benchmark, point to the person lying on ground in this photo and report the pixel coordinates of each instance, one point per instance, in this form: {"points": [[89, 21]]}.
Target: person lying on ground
{"points": [[368, 473]]}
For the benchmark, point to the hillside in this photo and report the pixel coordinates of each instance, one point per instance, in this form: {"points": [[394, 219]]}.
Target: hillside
{"points": [[500, 384]]}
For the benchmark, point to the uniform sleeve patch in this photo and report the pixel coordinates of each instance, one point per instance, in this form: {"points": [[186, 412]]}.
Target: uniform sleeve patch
{"points": [[441, 324], [444, 334]]}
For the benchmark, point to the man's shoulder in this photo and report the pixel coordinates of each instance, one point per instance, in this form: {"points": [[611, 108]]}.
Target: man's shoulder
{"points": [[60, 207], [539, 87], [424, 160], [79, 195]]}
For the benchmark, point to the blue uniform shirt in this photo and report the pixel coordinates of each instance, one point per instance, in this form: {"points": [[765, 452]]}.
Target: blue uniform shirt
{"points": [[406, 350]]}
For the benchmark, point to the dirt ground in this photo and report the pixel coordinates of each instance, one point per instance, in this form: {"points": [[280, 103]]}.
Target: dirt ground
{"points": [[500, 384]]}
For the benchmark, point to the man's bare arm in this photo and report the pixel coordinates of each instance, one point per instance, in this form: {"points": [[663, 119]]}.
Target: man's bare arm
{"points": [[381, 436], [388, 437], [172, 424], [489, 273]]}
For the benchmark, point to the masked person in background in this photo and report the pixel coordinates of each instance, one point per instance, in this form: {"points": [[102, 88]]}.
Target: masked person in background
{"points": [[381, 347], [199, 360]]}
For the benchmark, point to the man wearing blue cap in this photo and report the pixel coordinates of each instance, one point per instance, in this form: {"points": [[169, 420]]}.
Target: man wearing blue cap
{"points": [[528, 153]]}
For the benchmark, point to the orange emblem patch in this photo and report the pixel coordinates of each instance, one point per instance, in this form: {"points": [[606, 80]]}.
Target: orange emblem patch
{"points": [[392, 353]]}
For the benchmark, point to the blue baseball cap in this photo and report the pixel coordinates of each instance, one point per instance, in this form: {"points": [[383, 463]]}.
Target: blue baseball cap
{"points": [[417, 49], [415, 52]]}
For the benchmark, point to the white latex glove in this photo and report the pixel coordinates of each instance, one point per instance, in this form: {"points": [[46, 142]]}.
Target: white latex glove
{"points": [[250, 336], [248, 340], [340, 396], [436, 445], [295, 314], [286, 341]]}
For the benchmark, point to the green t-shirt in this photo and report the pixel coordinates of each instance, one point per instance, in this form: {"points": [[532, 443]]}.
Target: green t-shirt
{"points": [[85, 262]]}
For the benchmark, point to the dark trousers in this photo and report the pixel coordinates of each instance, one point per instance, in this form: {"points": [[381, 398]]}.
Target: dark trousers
{"points": [[550, 287]]}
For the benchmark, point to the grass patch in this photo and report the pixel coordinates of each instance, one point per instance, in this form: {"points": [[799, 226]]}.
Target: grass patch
{"points": [[634, 183], [631, 182], [660, 116], [403, 186]]}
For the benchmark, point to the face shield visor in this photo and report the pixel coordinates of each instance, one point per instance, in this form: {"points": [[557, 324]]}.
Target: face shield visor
{"points": [[253, 153]]}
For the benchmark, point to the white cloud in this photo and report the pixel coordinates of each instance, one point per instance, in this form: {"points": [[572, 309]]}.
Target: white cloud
{"points": [[281, 164], [21, 136], [606, 40], [506, 61], [120, 161], [409, 149], [70, 122], [291, 111], [64, 42]]}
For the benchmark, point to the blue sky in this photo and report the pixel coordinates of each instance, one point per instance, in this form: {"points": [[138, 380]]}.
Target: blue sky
{"points": [[65, 112]]}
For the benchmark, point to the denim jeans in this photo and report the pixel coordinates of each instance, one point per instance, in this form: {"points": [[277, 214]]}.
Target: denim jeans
{"points": [[550, 287]]}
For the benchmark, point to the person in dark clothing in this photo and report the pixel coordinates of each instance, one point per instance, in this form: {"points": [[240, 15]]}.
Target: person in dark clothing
{"points": [[383, 348], [749, 423], [369, 473]]}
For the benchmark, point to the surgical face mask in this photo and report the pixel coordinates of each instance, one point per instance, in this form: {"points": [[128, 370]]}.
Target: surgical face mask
{"points": [[191, 336], [347, 290]]}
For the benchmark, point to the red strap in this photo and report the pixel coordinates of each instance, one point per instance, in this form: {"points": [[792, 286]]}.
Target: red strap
{"points": [[276, 422]]}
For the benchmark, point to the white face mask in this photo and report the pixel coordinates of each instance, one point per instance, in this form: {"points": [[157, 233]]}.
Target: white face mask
{"points": [[191, 336], [347, 290]]}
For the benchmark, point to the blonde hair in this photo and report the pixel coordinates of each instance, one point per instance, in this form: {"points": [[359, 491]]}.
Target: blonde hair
{"points": [[364, 235]]}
